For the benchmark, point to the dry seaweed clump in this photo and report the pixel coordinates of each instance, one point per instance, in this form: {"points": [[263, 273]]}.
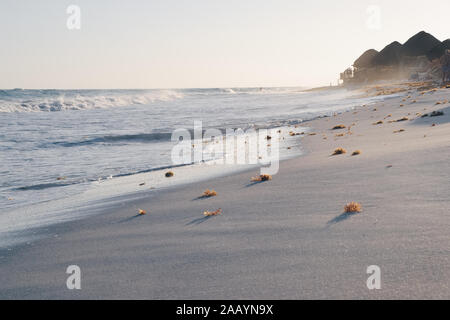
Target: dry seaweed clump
{"points": [[212, 213], [169, 174], [209, 193], [356, 152], [352, 207], [339, 151], [339, 126], [402, 119], [262, 177]]}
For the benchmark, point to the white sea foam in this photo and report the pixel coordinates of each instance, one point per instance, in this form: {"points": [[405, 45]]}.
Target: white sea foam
{"points": [[60, 100], [19, 100]]}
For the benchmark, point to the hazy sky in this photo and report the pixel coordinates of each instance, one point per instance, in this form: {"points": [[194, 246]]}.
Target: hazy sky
{"points": [[201, 43]]}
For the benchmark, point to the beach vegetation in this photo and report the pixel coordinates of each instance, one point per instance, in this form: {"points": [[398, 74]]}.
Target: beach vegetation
{"points": [[262, 177], [169, 174], [209, 193], [339, 151], [352, 207], [212, 213]]}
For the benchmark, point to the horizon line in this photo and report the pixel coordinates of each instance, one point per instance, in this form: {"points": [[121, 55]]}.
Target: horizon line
{"points": [[171, 88]]}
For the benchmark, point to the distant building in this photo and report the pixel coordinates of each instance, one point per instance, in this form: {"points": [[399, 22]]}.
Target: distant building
{"points": [[347, 75], [412, 60]]}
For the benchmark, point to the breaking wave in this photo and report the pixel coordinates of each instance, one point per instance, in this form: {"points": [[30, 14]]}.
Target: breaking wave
{"points": [[18, 100]]}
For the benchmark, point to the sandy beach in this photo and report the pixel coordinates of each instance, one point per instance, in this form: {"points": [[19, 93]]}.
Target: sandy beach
{"points": [[287, 238]]}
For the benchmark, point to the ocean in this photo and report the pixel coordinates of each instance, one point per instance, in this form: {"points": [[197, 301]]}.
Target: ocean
{"points": [[63, 149]]}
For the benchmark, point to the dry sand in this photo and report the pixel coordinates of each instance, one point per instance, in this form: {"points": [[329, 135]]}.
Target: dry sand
{"points": [[282, 239]]}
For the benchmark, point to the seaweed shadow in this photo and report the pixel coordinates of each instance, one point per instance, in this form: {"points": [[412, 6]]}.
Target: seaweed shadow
{"points": [[198, 220], [253, 183], [130, 218], [202, 197], [343, 216], [440, 116]]}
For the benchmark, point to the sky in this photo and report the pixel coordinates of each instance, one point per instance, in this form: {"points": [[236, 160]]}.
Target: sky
{"points": [[200, 43]]}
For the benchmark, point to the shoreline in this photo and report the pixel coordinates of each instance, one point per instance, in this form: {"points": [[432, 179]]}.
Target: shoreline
{"points": [[278, 234], [67, 207]]}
